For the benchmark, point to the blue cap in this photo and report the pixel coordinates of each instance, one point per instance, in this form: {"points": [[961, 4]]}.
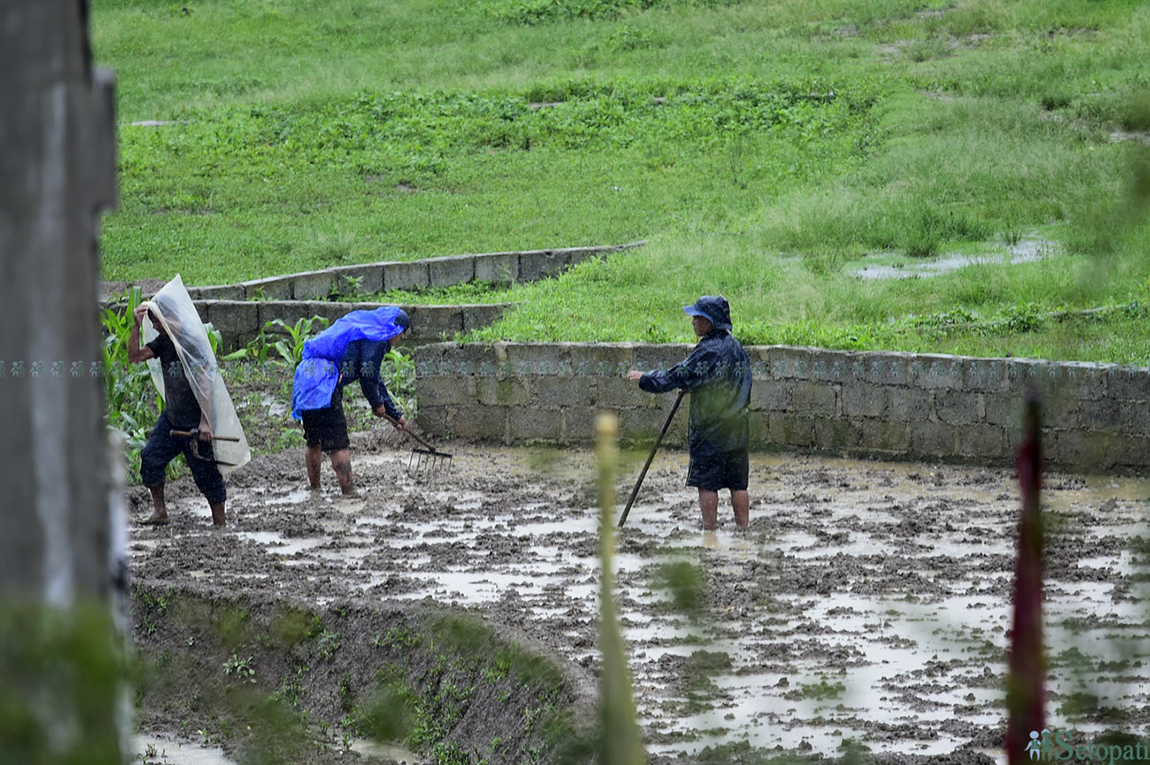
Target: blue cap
{"points": [[713, 308]]}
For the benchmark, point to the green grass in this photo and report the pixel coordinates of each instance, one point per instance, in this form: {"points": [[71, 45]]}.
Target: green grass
{"points": [[762, 148]]}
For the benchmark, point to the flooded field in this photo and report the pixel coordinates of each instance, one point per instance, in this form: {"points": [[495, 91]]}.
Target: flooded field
{"points": [[867, 605]]}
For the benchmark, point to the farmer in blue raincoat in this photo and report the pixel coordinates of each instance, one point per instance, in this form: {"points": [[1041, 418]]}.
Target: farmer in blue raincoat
{"points": [[351, 349], [718, 375]]}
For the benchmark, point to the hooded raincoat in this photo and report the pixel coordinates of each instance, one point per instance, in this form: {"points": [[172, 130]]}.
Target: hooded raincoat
{"points": [[318, 373], [718, 374]]}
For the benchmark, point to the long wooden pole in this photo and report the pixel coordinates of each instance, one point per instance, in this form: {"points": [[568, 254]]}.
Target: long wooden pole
{"points": [[651, 456]]}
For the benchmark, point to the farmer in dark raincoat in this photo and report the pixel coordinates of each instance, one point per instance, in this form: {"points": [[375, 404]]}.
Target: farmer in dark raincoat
{"points": [[718, 375], [351, 349]]}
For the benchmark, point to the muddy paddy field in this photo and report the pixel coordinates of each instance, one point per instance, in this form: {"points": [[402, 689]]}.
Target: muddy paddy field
{"points": [[866, 609]]}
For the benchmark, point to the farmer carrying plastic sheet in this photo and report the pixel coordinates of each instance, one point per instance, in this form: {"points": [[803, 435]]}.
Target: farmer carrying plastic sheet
{"points": [[350, 349], [718, 375], [198, 419]]}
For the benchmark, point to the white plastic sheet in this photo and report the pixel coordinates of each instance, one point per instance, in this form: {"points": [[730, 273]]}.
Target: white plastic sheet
{"points": [[177, 314]]}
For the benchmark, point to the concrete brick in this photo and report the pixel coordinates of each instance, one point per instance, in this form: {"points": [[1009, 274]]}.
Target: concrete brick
{"points": [[562, 392], [863, 400], [497, 268], [787, 429], [1043, 377], [274, 288], [1059, 411], [1127, 383], [312, 285], [1084, 451], [886, 436], [446, 359], [539, 264], [446, 391], [932, 371], [1085, 382], [1132, 453], [481, 423], [769, 395], [616, 392], [1120, 417], [542, 359], [982, 441], [535, 424], [834, 367], [369, 279], [931, 439], [217, 292], [644, 424], [660, 357], [757, 430], [479, 316], [427, 357], [959, 408], [579, 424], [609, 360], [909, 405], [432, 420], [888, 369], [231, 317], [435, 321], [984, 375], [577, 255], [813, 399], [1003, 409], [760, 358], [412, 275], [837, 434], [447, 272], [791, 363]]}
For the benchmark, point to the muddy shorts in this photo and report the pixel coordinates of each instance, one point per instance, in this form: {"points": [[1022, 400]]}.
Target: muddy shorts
{"points": [[725, 470], [327, 427]]}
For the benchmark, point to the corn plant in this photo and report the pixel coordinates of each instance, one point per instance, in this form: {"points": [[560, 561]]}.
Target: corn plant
{"points": [[290, 349], [398, 374], [131, 401]]}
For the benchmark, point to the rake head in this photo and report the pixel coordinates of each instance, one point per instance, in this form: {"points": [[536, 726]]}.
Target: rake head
{"points": [[428, 461]]}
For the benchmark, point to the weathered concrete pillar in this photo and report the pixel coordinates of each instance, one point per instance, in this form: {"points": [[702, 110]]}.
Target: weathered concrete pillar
{"points": [[57, 563], [57, 166]]}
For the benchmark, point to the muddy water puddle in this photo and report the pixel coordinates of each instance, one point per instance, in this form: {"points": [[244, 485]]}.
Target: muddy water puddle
{"points": [[868, 602]]}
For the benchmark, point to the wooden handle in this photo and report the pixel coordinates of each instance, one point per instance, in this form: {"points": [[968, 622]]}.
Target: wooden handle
{"points": [[651, 456], [189, 434], [421, 442]]}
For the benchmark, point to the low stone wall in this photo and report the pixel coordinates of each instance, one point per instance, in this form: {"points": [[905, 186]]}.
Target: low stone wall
{"points": [[240, 321], [373, 278], [891, 405]]}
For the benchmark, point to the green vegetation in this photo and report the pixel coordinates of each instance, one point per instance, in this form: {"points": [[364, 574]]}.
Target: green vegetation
{"points": [[61, 675], [763, 148]]}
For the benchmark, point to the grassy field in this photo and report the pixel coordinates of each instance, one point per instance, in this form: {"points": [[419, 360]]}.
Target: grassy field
{"points": [[765, 149]]}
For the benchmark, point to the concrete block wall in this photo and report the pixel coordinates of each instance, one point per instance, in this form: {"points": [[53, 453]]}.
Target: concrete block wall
{"points": [[239, 321], [373, 278], [1096, 417]]}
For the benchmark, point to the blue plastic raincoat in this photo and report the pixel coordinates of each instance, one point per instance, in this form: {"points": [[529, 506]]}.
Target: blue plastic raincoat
{"points": [[318, 373]]}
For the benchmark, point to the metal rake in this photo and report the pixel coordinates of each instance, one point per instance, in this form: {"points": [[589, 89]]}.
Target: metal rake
{"points": [[425, 460]]}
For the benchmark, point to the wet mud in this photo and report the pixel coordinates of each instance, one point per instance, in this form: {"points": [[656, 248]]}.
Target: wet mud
{"points": [[866, 608]]}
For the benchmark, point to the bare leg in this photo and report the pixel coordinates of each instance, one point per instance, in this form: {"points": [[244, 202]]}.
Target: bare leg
{"points": [[341, 463], [709, 504], [313, 457], [159, 516], [741, 501], [219, 518]]}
